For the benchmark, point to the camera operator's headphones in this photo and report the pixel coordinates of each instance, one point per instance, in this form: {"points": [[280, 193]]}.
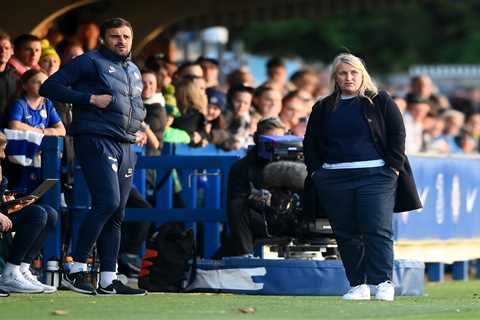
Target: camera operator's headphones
{"points": [[267, 125]]}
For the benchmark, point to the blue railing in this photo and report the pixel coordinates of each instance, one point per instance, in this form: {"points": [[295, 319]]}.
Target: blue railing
{"points": [[212, 213], [51, 168]]}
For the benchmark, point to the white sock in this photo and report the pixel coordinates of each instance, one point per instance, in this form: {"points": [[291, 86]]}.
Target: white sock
{"points": [[78, 267], [11, 268], [24, 267], [106, 278]]}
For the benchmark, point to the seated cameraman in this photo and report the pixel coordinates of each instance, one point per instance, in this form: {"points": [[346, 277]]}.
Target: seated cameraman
{"points": [[246, 197]]}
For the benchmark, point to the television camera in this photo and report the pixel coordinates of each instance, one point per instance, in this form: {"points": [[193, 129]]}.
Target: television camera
{"points": [[295, 231]]}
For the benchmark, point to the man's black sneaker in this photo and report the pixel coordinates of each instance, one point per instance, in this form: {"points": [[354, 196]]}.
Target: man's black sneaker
{"points": [[4, 293], [118, 288], [78, 282]]}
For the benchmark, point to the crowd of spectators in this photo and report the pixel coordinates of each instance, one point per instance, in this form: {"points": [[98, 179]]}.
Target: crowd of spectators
{"points": [[190, 103]]}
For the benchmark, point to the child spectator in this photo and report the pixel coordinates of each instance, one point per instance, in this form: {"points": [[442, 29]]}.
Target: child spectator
{"points": [[49, 60], [32, 112], [216, 123]]}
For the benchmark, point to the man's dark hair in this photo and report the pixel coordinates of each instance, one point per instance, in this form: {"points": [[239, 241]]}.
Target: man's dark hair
{"points": [[239, 88], [113, 23], [275, 62], [156, 62], [146, 70], [298, 75], [23, 39], [289, 96], [261, 90]]}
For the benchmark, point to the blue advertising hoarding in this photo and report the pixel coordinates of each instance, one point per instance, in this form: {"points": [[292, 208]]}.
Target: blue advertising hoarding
{"points": [[448, 187]]}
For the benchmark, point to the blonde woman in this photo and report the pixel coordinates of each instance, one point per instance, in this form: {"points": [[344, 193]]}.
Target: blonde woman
{"points": [[354, 151], [192, 102]]}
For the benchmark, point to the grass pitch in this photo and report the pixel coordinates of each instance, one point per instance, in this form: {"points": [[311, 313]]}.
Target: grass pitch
{"points": [[451, 300]]}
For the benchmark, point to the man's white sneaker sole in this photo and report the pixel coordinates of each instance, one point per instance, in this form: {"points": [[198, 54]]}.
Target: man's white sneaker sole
{"points": [[13, 288]]}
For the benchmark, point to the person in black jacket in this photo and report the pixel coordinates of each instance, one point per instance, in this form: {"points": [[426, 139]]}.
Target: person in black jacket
{"points": [[105, 89], [246, 221], [354, 150], [8, 77]]}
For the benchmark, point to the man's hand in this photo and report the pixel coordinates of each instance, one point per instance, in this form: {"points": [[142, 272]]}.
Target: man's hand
{"points": [[5, 223], [141, 138], [100, 101]]}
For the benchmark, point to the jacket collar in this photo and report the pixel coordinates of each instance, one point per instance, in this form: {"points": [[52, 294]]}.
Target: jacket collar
{"points": [[330, 100], [9, 69], [110, 55]]}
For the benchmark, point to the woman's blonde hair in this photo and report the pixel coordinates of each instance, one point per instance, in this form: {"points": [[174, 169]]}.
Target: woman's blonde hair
{"points": [[367, 89], [190, 95], [3, 138]]}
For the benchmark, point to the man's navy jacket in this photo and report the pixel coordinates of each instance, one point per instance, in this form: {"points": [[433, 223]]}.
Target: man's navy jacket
{"points": [[95, 73]]}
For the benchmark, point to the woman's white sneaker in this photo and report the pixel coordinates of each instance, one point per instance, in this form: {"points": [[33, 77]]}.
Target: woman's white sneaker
{"points": [[33, 280], [360, 292], [385, 291]]}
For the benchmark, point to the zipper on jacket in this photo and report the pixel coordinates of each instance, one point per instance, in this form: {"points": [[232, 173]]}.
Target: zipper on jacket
{"points": [[125, 68]]}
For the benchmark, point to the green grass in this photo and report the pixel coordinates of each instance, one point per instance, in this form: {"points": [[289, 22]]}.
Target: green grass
{"points": [[451, 300]]}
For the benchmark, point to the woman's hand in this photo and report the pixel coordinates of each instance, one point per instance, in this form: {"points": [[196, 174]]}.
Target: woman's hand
{"points": [[196, 138], [5, 223], [395, 170]]}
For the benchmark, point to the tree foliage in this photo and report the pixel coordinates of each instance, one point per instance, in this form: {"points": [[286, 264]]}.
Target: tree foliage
{"points": [[422, 32]]}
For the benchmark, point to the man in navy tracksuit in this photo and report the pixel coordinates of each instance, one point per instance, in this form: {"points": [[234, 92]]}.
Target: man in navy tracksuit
{"points": [[105, 89]]}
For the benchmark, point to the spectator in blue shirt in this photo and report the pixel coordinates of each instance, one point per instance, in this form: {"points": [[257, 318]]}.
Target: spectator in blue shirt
{"points": [[32, 112]]}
